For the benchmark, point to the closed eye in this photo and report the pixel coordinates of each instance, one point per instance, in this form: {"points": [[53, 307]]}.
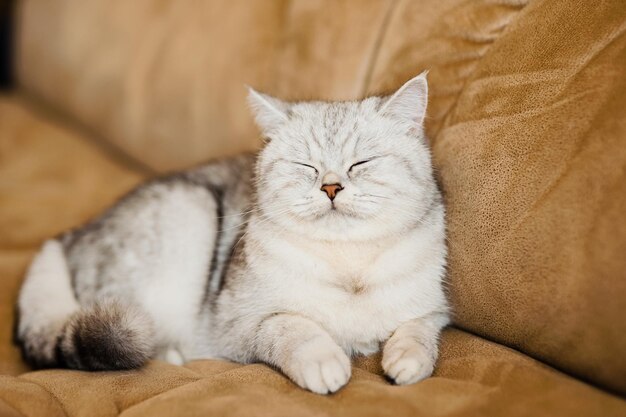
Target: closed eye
{"points": [[359, 163], [307, 165]]}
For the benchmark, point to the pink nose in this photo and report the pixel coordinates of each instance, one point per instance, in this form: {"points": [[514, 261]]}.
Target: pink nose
{"points": [[331, 190]]}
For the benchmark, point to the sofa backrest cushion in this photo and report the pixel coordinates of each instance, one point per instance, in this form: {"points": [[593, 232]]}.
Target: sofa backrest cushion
{"points": [[528, 123], [165, 81]]}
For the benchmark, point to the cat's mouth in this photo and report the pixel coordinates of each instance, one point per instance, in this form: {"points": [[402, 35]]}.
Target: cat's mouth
{"points": [[332, 211], [340, 210]]}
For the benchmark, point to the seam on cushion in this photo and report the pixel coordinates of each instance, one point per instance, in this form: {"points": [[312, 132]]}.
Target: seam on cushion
{"points": [[184, 385], [61, 405], [197, 375], [532, 112], [200, 378], [518, 6], [156, 395], [56, 117], [595, 52], [201, 375], [65, 412], [373, 58], [10, 407], [581, 379]]}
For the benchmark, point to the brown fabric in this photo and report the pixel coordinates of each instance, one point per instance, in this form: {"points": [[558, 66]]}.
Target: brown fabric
{"points": [[12, 265], [533, 162], [165, 80], [473, 378], [446, 37], [328, 48], [527, 115], [51, 178]]}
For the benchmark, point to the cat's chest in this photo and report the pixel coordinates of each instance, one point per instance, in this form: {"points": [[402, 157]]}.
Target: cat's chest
{"points": [[358, 313], [359, 293], [345, 268], [351, 266]]}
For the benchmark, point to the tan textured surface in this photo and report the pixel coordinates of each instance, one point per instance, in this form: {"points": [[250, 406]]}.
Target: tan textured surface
{"points": [[533, 163], [165, 80], [527, 117], [328, 48], [162, 79], [474, 378], [12, 266], [51, 178], [446, 37]]}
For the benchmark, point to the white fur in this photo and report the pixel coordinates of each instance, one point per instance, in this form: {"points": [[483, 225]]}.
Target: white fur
{"points": [[180, 267], [47, 294], [410, 101], [346, 274]]}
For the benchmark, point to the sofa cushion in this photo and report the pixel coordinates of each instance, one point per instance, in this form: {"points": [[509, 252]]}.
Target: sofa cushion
{"points": [[446, 37], [473, 378], [51, 177], [528, 120], [165, 81]]}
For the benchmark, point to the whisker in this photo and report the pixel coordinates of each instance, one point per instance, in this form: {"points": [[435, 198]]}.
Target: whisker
{"points": [[280, 210], [263, 221], [241, 213], [373, 195]]}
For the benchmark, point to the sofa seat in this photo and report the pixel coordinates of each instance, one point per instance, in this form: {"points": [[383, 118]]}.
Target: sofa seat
{"points": [[42, 192]]}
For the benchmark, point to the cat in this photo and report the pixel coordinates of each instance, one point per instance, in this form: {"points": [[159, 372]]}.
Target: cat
{"points": [[328, 243]]}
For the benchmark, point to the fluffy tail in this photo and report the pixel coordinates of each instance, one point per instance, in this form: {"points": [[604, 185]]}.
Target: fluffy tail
{"points": [[53, 330]]}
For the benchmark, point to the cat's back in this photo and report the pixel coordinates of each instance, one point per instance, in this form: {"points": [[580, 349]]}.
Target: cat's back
{"points": [[232, 175], [183, 213]]}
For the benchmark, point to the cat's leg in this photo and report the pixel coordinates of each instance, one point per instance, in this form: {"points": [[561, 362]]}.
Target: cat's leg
{"points": [[303, 351], [170, 355], [411, 352]]}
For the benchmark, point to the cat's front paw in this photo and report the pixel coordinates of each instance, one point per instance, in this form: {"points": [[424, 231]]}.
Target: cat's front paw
{"points": [[319, 365], [406, 361]]}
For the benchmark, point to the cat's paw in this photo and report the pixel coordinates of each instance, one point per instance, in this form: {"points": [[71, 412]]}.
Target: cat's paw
{"points": [[319, 365], [406, 361]]}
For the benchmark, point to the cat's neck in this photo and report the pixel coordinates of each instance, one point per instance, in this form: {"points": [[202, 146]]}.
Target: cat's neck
{"points": [[264, 230]]}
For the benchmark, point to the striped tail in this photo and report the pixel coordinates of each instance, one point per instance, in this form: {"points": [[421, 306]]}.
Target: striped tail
{"points": [[53, 330]]}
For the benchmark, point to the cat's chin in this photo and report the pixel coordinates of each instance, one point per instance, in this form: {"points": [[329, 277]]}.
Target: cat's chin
{"points": [[338, 226], [346, 234], [341, 212]]}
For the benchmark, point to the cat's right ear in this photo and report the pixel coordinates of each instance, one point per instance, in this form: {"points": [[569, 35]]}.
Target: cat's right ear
{"points": [[269, 112]]}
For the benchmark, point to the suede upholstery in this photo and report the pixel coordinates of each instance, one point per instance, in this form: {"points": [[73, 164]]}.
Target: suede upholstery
{"points": [[527, 122]]}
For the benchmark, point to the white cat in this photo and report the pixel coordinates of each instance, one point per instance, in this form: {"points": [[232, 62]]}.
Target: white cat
{"points": [[328, 244]]}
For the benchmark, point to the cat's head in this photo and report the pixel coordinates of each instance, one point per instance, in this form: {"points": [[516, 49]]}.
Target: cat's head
{"points": [[345, 170]]}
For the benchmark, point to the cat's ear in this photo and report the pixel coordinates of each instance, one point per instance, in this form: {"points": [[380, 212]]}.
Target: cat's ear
{"points": [[409, 102], [269, 112]]}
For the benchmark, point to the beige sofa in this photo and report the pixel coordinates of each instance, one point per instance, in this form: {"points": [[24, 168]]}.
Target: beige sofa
{"points": [[527, 119]]}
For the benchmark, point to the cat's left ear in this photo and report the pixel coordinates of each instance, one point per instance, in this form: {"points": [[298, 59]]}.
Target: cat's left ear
{"points": [[409, 102], [269, 112]]}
